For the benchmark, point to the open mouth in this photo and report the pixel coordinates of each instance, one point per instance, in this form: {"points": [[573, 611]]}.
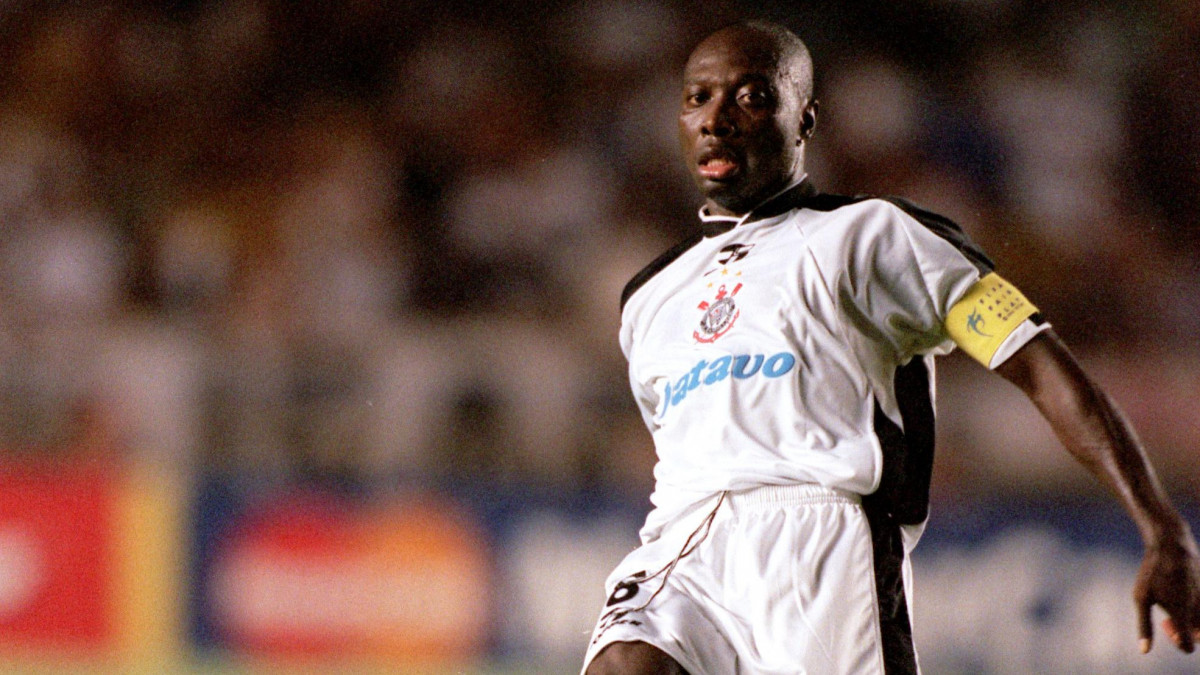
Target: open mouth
{"points": [[718, 168], [716, 164]]}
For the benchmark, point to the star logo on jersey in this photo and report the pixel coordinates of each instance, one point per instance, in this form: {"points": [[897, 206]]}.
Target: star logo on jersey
{"points": [[719, 315]]}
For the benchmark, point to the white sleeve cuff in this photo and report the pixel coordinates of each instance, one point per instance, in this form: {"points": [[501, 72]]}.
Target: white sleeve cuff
{"points": [[1020, 336]]}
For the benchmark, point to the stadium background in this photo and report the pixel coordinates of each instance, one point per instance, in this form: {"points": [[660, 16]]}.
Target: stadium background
{"points": [[308, 315]]}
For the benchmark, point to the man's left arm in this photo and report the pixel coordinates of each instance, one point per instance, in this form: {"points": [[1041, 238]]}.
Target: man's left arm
{"points": [[1094, 431]]}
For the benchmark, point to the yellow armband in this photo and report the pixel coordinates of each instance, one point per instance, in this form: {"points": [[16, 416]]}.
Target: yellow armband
{"points": [[984, 317]]}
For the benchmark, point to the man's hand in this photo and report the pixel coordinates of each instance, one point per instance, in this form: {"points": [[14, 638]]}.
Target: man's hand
{"points": [[1170, 578]]}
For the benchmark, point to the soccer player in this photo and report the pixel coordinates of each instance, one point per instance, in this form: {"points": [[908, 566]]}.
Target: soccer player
{"points": [[782, 359]]}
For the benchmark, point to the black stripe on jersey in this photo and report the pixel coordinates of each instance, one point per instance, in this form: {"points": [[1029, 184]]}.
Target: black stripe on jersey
{"points": [[946, 229], [938, 224], [902, 499], [950, 231], [907, 454], [784, 202], [657, 266], [805, 195]]}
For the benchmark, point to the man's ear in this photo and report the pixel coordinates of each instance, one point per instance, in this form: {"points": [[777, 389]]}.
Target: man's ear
{"points": [[808, 120]]}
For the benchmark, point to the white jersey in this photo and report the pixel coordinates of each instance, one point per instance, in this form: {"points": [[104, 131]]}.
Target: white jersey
{"points": [[770, 350]]}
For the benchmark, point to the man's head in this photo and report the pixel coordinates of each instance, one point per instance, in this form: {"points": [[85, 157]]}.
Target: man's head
{"points": [[747, 111]]}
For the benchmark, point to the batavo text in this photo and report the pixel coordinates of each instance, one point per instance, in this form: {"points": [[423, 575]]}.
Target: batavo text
{"points": [[742, 367]]}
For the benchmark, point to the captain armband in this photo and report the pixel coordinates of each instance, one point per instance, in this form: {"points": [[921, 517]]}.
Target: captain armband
{"points": [[986, 316]]}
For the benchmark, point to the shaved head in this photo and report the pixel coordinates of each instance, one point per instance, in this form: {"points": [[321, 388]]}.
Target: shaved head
{"points": [[789, 53]]}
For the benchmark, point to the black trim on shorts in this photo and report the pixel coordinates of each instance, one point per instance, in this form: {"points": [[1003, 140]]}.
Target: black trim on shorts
{"points": [[895, 629]]}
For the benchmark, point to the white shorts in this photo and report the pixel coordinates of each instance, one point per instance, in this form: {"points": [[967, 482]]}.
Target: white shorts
{"points": [[792, 579]]}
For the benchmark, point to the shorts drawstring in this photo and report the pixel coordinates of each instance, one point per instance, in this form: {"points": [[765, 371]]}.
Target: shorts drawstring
{"points": [[689, 546]]}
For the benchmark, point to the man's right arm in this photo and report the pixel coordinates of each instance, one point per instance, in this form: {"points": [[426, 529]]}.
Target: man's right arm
{"points": [[1094, 431]]}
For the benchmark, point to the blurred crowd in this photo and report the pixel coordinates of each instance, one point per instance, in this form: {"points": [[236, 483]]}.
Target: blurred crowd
{"points": [[382, 244]]}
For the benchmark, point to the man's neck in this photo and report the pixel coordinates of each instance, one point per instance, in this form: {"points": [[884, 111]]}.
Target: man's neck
{"points": [[714, 210]]}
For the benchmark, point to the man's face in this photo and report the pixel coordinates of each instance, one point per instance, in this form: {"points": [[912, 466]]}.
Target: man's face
{"points": [[739, 122]]}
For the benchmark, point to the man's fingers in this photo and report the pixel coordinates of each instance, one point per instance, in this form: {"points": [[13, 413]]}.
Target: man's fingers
{"points": [[1172, 632], [1145, 626], [1184, 638]]}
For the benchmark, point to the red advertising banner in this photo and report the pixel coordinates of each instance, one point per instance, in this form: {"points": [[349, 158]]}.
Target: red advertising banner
{"points": [[317, 577], [56, 562], [91, 563]]}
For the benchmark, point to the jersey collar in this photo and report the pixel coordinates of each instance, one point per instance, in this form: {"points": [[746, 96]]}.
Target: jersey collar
{"points": [[781, 202]]}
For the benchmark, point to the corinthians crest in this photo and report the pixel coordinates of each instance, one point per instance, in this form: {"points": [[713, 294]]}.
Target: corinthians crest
{"points": [[719, 315]]}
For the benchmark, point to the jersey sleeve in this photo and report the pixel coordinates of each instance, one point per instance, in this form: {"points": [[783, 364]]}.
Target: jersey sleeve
{"points": [[905, 270], [928, 288]]}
